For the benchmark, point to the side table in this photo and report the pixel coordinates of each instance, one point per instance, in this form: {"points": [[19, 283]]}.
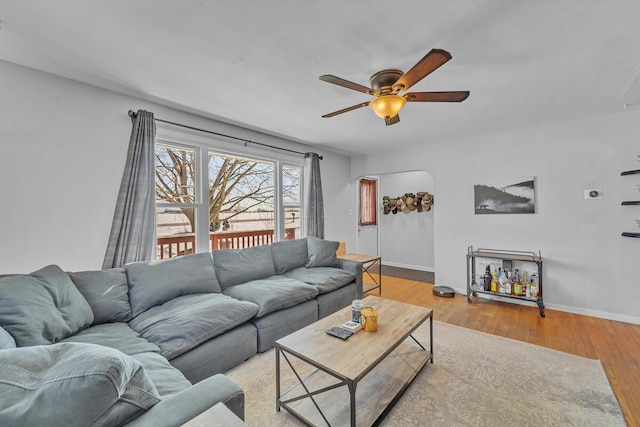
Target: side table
{"points": [[368, 262]]}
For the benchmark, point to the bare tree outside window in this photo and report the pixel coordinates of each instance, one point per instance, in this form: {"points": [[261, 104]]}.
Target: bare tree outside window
{"points": [[241, 200], [238, 186], [291, 200], [175, 180]]}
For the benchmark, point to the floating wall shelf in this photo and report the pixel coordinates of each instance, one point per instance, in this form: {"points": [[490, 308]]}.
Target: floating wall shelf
{"points": [[631, 203]]}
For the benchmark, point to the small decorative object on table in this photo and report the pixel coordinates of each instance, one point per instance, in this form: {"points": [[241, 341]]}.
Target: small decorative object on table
{"points": [[369, 319], [352, 326], [356, 311]]}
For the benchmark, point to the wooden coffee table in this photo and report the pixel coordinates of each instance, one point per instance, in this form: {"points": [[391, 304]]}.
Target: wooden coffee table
{"points": [[356, 381]]}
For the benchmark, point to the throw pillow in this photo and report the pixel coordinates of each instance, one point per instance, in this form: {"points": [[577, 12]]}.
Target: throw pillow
{"points": [[42, 307], [72, 384], [107, 292], [321, 253]]}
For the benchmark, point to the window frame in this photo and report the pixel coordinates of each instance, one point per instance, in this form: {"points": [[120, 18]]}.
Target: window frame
{"points": [[202, 144], [284, 206]]}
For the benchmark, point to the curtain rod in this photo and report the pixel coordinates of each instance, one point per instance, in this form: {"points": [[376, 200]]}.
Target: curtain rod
{"points": [[133, 113]]}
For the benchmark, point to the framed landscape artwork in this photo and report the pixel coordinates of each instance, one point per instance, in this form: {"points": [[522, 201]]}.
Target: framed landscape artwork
{"points": [[513, 196]]}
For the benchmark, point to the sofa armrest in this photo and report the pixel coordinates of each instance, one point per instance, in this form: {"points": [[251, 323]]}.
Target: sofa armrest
{"points": [[186, 405], [355, 268]]}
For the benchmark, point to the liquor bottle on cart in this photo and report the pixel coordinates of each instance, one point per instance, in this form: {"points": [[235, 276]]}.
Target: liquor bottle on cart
{"points": [[487, 279], [518, 286]]}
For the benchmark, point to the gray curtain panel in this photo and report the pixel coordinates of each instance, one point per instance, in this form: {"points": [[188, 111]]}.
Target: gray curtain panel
{"points": [[313, 203], [133, 232]]}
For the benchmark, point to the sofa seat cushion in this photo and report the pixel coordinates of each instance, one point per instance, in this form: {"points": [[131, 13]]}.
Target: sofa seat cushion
{"points": [[167, 379], [185, 322], [42, 307], [326, 279], [72, 384], [119, 336], [236, 266], [273, 293], [153, 283], [107, 292]]}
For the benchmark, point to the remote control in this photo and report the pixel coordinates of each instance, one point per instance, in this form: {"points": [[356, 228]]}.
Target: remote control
{"points": [[339, 332]]}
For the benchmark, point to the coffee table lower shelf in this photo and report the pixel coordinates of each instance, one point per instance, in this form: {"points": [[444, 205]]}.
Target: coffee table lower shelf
{"points": [[326, 398]]}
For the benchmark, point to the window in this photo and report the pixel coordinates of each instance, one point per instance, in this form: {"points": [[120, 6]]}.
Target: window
{"points": [[175, 200], [368, 195], [208, 199], [292, 200], [241, 201]]}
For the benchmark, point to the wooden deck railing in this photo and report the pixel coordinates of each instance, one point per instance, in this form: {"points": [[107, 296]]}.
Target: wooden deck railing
{"points": [[172, 246]]}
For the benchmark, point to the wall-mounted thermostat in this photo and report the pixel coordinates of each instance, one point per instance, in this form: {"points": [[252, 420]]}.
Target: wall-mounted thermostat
{"points": [[593, 194]]}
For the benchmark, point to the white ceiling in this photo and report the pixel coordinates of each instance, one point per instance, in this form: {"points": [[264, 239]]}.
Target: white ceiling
{"points": [[257, 63]]}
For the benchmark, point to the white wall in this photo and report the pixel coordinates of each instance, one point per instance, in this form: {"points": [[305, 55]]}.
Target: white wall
{"points": [[407, 240], [64, 147], [588, 267]]}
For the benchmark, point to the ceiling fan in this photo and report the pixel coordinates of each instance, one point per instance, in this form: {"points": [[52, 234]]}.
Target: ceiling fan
{"points": [[386, 86]]}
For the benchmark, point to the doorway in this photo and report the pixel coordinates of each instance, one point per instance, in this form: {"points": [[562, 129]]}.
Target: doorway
{"points": [[368, 213]]}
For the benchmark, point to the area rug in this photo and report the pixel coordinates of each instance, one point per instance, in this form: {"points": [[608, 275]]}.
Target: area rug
{"points": [[476, 379]]}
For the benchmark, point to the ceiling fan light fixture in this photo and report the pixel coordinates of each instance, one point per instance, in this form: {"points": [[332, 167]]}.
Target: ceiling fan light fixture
{"points": [[386, 106]]}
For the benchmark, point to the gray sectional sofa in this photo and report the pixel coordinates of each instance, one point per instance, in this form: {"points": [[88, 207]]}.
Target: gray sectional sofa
{"points": [[146, 344]]}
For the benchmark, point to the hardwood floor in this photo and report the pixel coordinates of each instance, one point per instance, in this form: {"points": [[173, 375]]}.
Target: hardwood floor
{"points": [[615, 344]]}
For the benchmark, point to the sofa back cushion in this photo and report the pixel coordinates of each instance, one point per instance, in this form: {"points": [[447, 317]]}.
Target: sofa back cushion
{"points": [[236, 266], [72, 384], [289, 254], [107, 292], [153, 283], [42, 307], [321, 253]]}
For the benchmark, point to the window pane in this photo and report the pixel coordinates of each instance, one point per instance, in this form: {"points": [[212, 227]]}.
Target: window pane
{"points": [[367, 202], [241, 201], [291, 199], [292, 223], [291, 185], [175, 231], [175, 174]]}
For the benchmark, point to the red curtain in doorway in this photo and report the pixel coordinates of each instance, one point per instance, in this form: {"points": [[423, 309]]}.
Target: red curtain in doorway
{"points": [[368, 211]]}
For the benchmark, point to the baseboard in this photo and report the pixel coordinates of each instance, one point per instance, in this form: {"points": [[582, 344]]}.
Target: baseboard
{"points": [[635, 320], [595, 313], [409, 266]]}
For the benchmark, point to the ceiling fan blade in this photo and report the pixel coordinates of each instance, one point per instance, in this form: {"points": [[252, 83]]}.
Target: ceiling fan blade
{"points": [[431, 62], [345, 110], [392, 120], [453, 96], [349, 85]]}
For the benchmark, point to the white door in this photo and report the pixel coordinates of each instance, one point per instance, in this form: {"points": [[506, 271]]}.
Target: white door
{"points": [[368, 234], [368, 240]]}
